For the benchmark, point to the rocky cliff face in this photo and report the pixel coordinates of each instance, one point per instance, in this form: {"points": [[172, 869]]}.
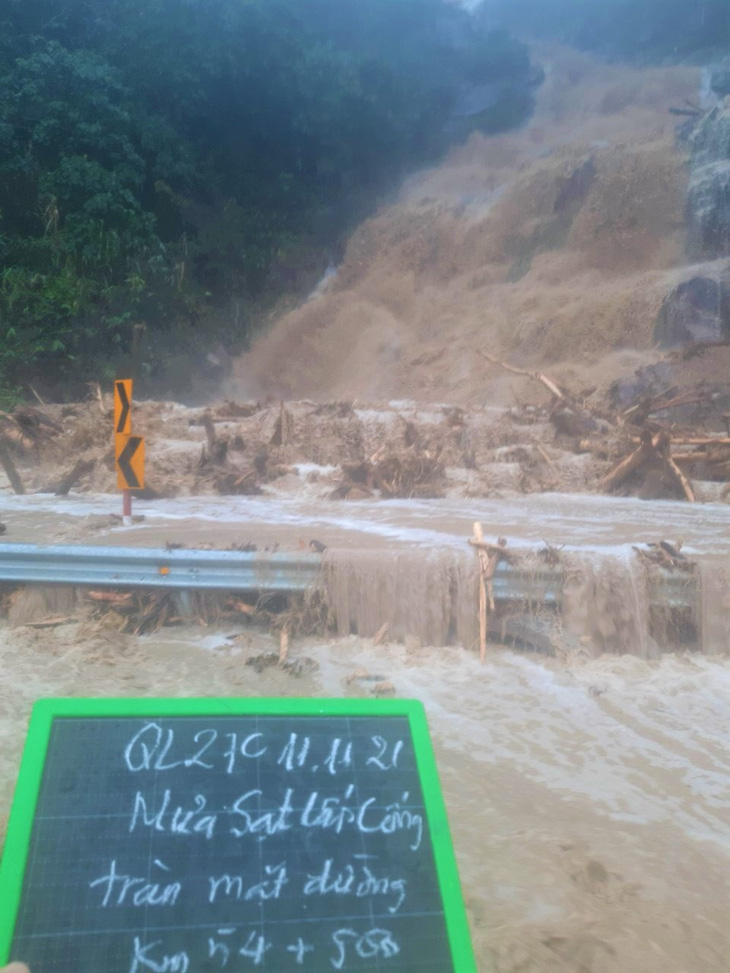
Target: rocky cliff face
{"points": [[698, 309], [709, 189]]}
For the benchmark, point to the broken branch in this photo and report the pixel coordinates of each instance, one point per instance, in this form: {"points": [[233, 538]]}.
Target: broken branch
{"points": [[631, 463], [549, 384], [681, 479]]}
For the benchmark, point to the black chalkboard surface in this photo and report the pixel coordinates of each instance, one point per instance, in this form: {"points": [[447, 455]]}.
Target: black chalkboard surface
{"points": [[232, 835]]}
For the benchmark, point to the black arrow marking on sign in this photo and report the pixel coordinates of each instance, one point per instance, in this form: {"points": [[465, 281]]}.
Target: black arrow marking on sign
{"points": [[123, 415], [125, 462]]}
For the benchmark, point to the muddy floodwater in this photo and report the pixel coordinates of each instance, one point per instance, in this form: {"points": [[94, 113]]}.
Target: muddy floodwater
{"points": [[589, 798], [589, 805], [577, 521]]}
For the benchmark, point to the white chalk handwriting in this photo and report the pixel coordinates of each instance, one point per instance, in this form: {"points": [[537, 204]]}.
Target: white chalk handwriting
{"points": [[252, 945], [155, 749]]}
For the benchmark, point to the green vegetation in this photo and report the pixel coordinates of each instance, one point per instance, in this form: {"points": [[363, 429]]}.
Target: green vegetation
{"points": [[645, 30], [160, 158]]}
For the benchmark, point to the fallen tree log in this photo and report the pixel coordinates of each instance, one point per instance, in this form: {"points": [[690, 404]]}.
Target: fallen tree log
{"points": [[62, 487], [681, 479], [701, 456], [654, 450], [693, 441], [647, 402], [552, 387], [6, 460], [632, 462]]}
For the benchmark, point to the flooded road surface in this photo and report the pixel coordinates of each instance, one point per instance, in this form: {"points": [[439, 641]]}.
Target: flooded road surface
{"points": [[577, 521], [590, 806], [408, 563]]}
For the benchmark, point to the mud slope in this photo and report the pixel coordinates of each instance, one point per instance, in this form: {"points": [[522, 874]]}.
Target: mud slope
{"points": [[553, 245]]}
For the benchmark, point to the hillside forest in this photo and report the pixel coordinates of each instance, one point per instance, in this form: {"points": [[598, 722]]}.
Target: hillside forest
{"points": [[180, 163]]}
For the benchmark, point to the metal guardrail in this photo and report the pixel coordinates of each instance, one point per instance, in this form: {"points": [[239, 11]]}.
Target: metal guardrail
{"points": [[122, 567], [516, 584], [673, 589]]}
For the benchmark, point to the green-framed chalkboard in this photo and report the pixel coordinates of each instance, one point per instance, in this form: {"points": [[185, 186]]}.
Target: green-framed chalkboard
{"points": [[230, 834]]}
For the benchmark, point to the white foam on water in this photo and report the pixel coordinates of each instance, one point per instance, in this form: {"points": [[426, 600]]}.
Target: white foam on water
{"points": [[580, 522], [641, 742]]}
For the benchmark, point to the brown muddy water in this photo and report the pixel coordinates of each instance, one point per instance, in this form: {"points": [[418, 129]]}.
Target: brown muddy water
{"points": [[578, 521], [589, 795], [408, 563], [589, 804]]}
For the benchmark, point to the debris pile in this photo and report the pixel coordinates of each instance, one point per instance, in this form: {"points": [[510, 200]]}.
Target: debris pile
{"points": [[402, 475], [533, 599], [595, 603], [656, 442], [663, 432]]}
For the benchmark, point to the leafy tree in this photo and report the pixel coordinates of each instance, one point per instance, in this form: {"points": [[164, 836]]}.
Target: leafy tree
{"points": [[76, 161], [157, 156]]}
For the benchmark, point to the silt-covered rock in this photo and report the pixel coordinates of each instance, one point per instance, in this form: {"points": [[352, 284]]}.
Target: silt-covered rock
{"points": [[697, 310]]}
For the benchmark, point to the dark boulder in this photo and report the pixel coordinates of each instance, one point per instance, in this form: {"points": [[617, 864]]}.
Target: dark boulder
{"points": [[696, 310], [720, 78], [708, 205]]}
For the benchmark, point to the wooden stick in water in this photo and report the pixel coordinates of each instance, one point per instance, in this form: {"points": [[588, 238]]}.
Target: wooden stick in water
{"points": [[681, 479], [283, 645], [483, 570]]}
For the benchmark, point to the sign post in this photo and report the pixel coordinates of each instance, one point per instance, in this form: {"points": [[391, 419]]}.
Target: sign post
{"points": [[229, 834], [129, 450]]}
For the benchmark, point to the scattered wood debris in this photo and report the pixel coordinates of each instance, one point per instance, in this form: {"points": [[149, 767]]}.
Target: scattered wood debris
{"points": [[282, 428], [568, 411], [51, 622], [647, 435], [264, 660], [298, 668], [383, 689], [362, 675], [236, 482], [62, 487], [28, 427], [283, 644], [381, 635], [551, 554], [660, 434], [234, 410], [666, 555], [405, 475], [303, 666]]}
